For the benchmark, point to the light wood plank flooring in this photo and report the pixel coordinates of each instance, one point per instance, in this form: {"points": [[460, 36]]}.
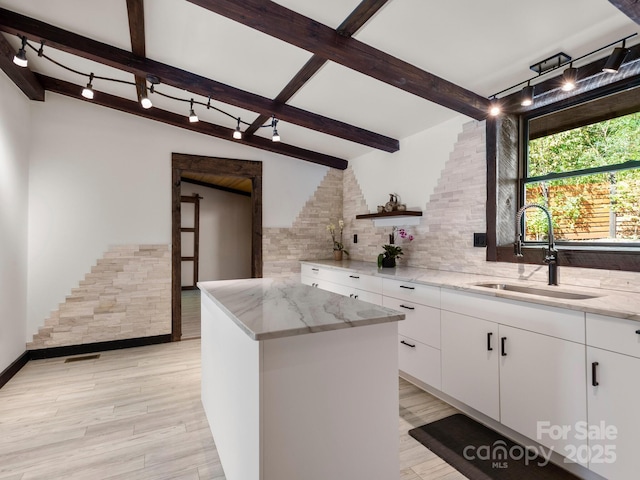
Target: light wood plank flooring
{"points": [[136, 414]]}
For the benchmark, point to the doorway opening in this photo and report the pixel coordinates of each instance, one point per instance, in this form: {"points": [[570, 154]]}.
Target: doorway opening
{"points": [[242, 177]]}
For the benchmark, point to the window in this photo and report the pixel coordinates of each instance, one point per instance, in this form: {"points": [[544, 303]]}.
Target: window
{"points": [[589, 179]]}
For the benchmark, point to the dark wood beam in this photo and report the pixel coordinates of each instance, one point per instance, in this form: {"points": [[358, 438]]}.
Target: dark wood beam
{"points": [[88, 48], [280, 22], [631, 8], [363, 12], [128, 106], [135, 12], [22, 77]]}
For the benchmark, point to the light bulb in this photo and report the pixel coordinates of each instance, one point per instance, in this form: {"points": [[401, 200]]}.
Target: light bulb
{"points": [[146, 103], [193, 118], [20, 58], [87, 92]]}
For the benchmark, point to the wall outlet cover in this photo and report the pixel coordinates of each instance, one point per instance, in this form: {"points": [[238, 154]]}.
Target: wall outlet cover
{"points": [[355, 238], [479, 239]]}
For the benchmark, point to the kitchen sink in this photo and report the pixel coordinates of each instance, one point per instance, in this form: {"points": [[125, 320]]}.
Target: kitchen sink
{"points": [[551, 292]]}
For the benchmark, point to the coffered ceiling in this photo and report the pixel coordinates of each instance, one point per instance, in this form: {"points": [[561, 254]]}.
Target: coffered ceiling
{"points": [[343, 77]]}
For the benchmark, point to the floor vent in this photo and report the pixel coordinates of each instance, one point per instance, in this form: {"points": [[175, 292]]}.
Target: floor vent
{"points": [[86, 357]]}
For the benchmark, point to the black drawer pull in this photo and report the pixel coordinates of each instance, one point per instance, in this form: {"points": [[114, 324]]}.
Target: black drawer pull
{"points": [[489, 347], [315, 269], [355, 296], [502, 346], [354, 276], [408, 288], [638, 332], [407, 344], [594, 374], [351, 295], [408, 308]]}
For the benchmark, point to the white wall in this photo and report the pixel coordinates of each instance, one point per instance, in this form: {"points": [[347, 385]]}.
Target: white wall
{"points": [[15, 136], [225, 234], [99, 177], [413, 171]]}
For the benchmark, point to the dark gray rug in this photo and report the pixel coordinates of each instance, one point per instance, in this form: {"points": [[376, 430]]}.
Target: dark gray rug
{"points": [[480, 453]]}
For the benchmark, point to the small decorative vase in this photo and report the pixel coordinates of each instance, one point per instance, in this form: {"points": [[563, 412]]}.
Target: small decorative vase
{"points": [[337, 255], [388, 262]]}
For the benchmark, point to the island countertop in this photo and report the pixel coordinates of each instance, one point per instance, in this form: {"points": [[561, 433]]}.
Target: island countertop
{"points": [[266, 308]]}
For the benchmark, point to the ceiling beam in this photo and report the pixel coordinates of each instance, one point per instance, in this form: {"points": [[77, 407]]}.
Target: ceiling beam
{"points": [[177, 120], [135, 12], [356, 19], [90, 49], [631, 8], [21, 76], [280, 22]]}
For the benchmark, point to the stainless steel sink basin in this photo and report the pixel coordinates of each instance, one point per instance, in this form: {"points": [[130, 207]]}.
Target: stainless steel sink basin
{"points": [[551, 292]]}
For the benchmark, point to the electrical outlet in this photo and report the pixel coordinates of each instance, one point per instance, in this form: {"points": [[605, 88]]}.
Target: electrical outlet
{"points": [[479, 239], [355, 238]]}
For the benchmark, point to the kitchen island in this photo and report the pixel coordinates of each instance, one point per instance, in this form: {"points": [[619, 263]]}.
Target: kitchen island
{"points": [[298, 382]]}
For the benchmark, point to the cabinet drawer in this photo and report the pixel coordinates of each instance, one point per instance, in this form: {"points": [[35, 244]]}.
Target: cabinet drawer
{"points": [[419, 360], [614, 334], [553, 321], [355, 280], [421, 323], [413, 292], [313, 271]]}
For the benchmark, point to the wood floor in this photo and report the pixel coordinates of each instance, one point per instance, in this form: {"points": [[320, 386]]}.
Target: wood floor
{"points": [[190, 312], [136, 414]]}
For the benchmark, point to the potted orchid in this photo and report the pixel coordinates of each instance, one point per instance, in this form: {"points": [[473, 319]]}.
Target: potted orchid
{"points": [[336, 237], [387, 259]]}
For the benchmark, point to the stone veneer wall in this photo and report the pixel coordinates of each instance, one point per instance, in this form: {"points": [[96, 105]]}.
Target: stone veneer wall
{"points": [[455, 210], [126, 295], [283, 248]]}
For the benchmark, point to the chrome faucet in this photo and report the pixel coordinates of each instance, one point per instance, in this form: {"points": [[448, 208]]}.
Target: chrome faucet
{"points": [[551, 254]]}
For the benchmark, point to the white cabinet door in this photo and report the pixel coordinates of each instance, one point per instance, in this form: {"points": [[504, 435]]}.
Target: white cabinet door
{"points": [[470, 352], [542, 387], [613, 414]]}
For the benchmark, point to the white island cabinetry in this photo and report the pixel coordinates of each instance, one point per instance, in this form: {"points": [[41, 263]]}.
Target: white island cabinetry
{"points": [[298, 382], [367, 288]]}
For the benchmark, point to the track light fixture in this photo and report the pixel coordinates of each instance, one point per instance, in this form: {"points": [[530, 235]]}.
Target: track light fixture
{"points": [[526, 96], [193, 118], [87, 92], [145, 101], [274, 123], [569, 77], [237, 133], [20, 58], [614, 62]]}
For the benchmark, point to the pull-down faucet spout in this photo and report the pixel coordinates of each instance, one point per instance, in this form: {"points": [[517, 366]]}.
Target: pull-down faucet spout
{"points": [[551, 254]]}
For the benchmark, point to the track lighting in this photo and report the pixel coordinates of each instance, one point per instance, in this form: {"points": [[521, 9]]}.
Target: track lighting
{"points": [[569, 77], [237, 133], [274, 123], [193, 118], [87, 92], [146, 102], [614, 62], [494, 108], [526, 96], [20, 58]]}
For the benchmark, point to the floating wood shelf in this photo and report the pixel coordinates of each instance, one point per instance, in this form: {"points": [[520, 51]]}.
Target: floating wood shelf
{"points": [[395, 213]]}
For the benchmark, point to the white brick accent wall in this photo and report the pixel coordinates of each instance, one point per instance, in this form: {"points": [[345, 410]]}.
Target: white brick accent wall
{"points": [[127, 294]]}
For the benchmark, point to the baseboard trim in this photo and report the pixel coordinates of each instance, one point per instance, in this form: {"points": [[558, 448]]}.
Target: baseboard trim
{"points": [[14, 368], [66, 351]]}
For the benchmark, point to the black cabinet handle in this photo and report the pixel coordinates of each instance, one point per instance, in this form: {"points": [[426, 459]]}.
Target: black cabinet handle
{"points": [[594, 374], [503, 351], [407, 344], [408, 308], [315, 269], [355, 296], [351, 295], [408, 288], [638, 332], [354, 276], [489, 347]]}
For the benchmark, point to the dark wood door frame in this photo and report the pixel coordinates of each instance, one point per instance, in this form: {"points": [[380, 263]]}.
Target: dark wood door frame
{"points": [[198, 164]]}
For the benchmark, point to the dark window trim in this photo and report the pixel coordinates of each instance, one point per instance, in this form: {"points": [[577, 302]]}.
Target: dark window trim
{"points": [[503, 202]]}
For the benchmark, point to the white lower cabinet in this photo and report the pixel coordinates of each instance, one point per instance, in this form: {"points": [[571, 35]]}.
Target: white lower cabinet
{"points": [[362, 287], [470, 357], [419, 360], [613, 397]]}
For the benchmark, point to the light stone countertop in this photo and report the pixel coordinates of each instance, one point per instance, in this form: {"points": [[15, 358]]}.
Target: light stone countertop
{"points": [[266, 308], [614, 303]]}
